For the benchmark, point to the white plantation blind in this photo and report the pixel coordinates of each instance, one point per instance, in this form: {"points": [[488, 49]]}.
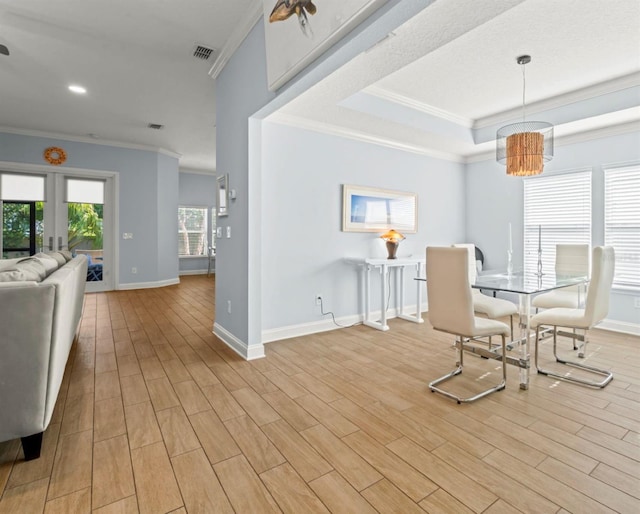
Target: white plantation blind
{"points": [[622, 222], [557, 210]]}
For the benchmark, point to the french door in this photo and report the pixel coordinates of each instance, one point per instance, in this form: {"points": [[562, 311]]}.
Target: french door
{"points": [[61, 211]]}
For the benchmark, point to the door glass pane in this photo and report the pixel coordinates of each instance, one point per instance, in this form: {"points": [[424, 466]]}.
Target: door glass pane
{"points": [[85, 236], [22, 226], [21, 187]]}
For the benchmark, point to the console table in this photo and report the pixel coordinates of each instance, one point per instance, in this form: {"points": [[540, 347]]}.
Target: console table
{"points": [[383, 265]]}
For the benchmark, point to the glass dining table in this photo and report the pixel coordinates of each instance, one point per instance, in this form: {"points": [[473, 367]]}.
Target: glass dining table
{"points": [[526, 284]]}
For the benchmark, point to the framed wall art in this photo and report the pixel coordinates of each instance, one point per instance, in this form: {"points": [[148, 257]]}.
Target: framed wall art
{"points": [[222, 195], [298, 31], [368, 209]]}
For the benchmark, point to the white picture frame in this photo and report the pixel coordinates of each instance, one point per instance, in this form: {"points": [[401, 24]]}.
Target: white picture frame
{"points": [[222, 195], [370, 209]]}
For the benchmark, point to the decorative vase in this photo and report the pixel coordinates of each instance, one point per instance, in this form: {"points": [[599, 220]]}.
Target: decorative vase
{"points": [[392, 248]]}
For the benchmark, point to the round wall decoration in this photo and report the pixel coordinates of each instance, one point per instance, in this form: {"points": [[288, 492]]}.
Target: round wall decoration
{"points": [[55, 155]]}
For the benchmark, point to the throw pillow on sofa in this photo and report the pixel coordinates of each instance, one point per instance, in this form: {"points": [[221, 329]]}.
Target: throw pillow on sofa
{"points": [[50, 264], [32, 267], [11, 275], [58, 257]]}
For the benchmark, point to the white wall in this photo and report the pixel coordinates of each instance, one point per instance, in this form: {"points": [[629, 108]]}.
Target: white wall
{"points": [[303, 246], [494, 200]]}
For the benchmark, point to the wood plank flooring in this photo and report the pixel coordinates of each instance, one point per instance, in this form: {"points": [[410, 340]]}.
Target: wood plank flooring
{"points": [[157, 415]]}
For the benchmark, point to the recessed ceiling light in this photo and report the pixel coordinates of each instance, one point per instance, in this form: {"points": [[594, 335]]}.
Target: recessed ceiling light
{"points": [[79, 90]]}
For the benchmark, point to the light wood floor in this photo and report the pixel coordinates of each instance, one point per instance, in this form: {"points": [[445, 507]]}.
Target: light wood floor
{"points": [[156, 415]]}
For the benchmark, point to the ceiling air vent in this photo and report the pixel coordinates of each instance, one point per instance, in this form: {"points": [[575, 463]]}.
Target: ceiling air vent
{"points": [[202, 52], [155, 126]]}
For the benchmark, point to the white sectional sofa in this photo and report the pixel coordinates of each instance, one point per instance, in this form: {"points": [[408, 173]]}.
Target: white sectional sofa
{"points": [[40, 309]]}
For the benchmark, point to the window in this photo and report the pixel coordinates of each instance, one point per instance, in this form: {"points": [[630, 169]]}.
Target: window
{"points": [[193, 231], [622, 222], [557, 209]]}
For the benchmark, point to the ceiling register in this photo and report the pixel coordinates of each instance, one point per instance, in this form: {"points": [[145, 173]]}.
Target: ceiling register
{"points": [[524, 147]]}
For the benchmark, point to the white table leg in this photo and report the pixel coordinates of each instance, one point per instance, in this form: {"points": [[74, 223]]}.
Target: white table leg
{"points": [[384, 291], [417, 318], [367, 293]]}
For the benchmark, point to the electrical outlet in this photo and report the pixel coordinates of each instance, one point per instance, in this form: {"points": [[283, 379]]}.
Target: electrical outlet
{"points": [[134, 270], [219, 232], [228, 232], [318, 299], [636, 302], [229, 306]]}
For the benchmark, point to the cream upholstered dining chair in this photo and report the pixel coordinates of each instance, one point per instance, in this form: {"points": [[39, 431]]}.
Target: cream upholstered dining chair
{"points": [[493, 308], [595, 310], [571, 259], [451, 310]]}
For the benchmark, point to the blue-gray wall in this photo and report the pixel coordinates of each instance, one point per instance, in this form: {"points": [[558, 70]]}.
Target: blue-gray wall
{"points": [[147, 205], [242, 99], [303, 246], [196, 190]]}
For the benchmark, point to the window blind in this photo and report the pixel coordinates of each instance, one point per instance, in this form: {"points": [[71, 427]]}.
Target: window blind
{"points": [[557, 210], [22, 188], [622, 222]]}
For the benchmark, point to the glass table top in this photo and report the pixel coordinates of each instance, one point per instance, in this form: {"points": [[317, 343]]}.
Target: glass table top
{"points": [[527, 282]]}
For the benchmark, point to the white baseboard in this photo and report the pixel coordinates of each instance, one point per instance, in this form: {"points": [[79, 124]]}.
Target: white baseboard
{"points": [[238, 346], [326, 324], [620, 326], [195, 272], [149, 285]]}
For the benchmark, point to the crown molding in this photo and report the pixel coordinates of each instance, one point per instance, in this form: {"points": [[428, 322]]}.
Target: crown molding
{"points": [[90, 140], [254, 13], [411, 103], [571, 139], [334, 130], [586, 93], [211, 173]]}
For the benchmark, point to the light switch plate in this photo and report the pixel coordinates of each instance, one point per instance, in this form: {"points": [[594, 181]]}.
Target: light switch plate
{"points": [[228, 232], [219, 232]]}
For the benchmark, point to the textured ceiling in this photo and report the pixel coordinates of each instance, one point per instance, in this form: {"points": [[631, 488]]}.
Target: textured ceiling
{"points": [[134, 58], [437, 86], [439, 79]]}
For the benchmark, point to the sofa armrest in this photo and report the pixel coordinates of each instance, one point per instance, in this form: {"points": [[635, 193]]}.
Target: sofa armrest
{"points": [[26, 319]]}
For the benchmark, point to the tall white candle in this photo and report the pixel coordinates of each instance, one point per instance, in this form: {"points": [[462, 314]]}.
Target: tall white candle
{"points": [[539, 238], [510, 241]]}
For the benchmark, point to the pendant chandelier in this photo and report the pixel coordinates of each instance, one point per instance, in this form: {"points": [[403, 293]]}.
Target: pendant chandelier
{"points": [[524, 147]]}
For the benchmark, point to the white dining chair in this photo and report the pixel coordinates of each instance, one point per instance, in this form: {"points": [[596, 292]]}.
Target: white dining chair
{"points": [[571, 259], [594, 311], [489, 306], [451, 310]]}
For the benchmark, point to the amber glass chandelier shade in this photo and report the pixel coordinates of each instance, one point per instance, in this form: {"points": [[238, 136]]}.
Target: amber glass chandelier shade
{"points": [[525, 147]]}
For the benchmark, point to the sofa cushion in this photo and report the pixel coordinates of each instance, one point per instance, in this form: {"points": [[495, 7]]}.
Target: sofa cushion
{"points": [[9, 263], [32, 268], [58, 257], [66, 254], [12, 275], [50, 264]]}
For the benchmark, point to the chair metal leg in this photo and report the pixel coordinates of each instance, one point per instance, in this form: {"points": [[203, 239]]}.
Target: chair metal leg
{"points": [[608, 376], [458, 370]]}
